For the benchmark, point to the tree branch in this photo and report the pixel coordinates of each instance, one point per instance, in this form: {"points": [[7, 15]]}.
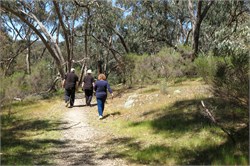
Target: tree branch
{"points": [[113, 51], [20, 14], [64, 29], [203, 14], [120, 37], [211, 117]]}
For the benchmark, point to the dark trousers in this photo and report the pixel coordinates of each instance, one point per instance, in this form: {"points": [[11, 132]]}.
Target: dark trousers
{"points": [[88, 95], [70, 96], [100, 105]]}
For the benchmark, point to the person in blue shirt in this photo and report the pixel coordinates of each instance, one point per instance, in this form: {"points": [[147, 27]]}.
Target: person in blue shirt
{"points": [[101, 87]]}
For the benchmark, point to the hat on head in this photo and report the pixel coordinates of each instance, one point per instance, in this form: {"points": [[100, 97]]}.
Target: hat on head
{"points": [[89, 71], [72, 70]]}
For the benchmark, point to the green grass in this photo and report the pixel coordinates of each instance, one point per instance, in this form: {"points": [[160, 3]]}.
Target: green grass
{"points": [[177, 133], [169, 131], [28, 132]]}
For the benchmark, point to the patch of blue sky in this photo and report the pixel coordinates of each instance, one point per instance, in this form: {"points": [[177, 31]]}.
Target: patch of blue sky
{"points": [[126, 12]]}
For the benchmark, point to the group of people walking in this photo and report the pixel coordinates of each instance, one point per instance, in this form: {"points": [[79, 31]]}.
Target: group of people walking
{"points": [[89, 86]]}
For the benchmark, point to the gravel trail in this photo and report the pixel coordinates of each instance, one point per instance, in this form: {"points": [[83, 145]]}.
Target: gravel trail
{"points": [[81, 142]]}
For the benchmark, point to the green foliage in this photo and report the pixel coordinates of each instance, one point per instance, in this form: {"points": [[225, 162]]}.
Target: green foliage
{"points": [[137, 27], [185, 48], [235, 43], [128, 71], [13, 86], [227, 75], [148, 68], [225, 27], [114, 79], [231, 80], [168, 63], [21, 85], [40, 78], [206, 66]]}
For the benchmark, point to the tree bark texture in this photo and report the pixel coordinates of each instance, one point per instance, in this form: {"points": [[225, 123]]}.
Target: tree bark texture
{"points": [[197, 16]]}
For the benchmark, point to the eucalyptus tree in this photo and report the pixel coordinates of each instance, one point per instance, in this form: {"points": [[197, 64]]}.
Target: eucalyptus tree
{"points": [[39, 12], [7, 55], [198, 11], [20, 36], [107, 31], [179, 13], [227, 26], [212, 22], [68, 15], [103, 41], [150, 25], [83, 31]]}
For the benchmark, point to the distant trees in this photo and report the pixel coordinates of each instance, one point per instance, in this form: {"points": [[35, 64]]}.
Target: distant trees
{"points": [[128, 27], [99, 34]]}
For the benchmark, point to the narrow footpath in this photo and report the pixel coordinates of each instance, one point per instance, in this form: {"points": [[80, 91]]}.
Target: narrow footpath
{"points": [[82, 143]]}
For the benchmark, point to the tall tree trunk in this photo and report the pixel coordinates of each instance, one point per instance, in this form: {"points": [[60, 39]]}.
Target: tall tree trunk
{"points": [[28, 70], [196, 22], [83, 70], [196, 36], [99, 67], [65, 33], [85, 64]]}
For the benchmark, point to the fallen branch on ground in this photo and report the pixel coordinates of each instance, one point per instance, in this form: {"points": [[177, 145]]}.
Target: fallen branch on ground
{"points": [[211, 118]]}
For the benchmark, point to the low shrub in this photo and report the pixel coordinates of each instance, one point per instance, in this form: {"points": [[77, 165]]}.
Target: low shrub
{"points": [[144, 69], [231, 80], [21, 85], [227, 75], [206, 66]]}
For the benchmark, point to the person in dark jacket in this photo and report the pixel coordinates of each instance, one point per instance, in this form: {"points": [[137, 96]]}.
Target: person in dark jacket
{"points": [[70, 83], [87, 86], [101, 87]]}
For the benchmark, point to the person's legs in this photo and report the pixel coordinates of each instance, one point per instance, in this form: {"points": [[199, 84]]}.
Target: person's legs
{"points": [[89, 100], [72, 97], [99, 106], [67, 97], [103, 104], [90, 94], [86, 96]]}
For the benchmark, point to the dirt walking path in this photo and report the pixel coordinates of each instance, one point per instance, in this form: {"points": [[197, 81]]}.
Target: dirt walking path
{"points": [[83, 143]]}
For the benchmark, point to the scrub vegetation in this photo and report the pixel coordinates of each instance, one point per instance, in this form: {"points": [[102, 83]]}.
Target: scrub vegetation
{"points": [[162, 59]]}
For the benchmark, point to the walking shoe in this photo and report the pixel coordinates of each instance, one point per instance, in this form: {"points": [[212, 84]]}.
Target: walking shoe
{"points": [[100, 117], [67, 104]]}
